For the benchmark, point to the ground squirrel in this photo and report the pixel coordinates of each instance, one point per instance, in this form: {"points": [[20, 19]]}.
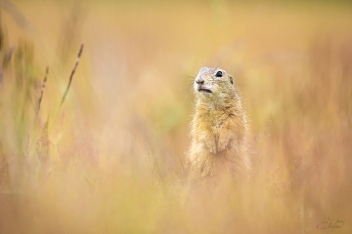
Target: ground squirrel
{"points": [[219, 126]]}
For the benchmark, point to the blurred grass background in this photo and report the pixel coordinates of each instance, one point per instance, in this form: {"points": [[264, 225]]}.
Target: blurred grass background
{"points": [[111, 160]]}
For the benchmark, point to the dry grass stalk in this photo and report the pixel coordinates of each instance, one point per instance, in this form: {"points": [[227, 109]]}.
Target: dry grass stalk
{"points": [[43, 87], [72, 73]]}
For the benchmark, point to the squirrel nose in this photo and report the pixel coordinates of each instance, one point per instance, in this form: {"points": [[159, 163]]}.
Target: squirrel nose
{"points": [[199, 81]]}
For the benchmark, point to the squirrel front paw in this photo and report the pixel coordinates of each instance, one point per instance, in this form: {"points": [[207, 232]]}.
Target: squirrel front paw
{"points": [[211, 144], [223, 142]]}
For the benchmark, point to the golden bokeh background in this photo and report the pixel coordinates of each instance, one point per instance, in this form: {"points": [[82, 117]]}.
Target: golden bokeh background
{"points": [[111, 158]]}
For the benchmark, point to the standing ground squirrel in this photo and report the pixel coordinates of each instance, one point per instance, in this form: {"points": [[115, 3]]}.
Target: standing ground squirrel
{"points": [[219, 127]]}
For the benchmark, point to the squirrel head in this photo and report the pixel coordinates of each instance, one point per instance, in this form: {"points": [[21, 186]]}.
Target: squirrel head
{"points": [[213, 84]]}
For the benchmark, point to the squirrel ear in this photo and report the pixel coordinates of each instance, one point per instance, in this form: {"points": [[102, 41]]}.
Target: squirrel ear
{"points": [[231, 79]]}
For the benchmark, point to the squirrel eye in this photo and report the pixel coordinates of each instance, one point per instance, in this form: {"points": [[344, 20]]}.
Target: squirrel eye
{"points": [[219, 74]]}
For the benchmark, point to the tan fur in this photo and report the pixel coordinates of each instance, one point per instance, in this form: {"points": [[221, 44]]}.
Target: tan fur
{"points": [[219, 128]]}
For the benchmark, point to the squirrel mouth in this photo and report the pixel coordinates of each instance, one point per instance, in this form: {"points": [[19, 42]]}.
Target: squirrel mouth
{"points": [[204, 90]]}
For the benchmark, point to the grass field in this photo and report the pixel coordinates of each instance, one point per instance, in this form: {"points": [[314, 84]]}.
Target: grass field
{"points": [[110, 159]]}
